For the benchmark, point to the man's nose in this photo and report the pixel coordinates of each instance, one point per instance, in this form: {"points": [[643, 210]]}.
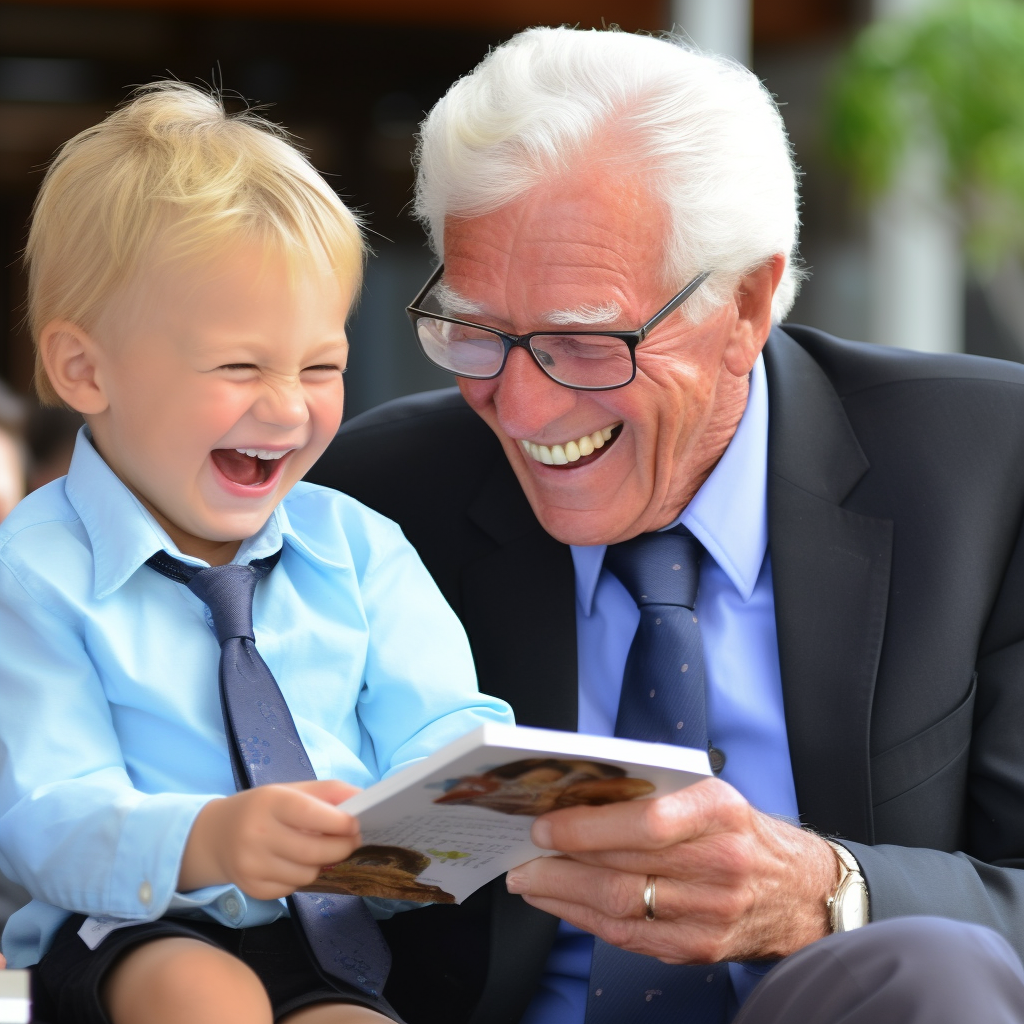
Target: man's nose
{"points": [[526, 399]]}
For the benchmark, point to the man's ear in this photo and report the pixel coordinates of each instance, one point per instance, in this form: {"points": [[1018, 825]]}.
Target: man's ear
{"points": [[753, 298], [70, 356]]}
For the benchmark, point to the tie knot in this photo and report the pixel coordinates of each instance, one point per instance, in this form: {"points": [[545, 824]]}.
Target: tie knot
{"points": [[658, 568], [227, 590]]}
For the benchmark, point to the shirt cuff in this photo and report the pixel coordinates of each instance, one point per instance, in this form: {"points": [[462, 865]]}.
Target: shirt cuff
{"points": [[144, 872], [227, 905]]}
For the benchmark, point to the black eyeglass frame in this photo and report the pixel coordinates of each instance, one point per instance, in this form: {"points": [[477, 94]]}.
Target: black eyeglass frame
{"points": [[511, 341]]}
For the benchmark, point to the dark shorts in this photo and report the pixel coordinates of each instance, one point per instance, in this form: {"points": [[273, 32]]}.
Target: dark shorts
{"points": [[67, 981]]}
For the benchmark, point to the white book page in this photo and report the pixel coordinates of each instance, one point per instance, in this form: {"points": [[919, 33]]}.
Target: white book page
{"points": [[442, 828]]}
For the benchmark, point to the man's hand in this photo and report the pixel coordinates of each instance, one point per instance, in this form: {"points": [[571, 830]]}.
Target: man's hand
{"points": [[271, 840], [732, 883]]}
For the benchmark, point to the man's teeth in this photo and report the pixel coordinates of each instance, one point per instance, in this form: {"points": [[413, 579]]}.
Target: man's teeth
{"points": [[571, 451], [262, 453]]}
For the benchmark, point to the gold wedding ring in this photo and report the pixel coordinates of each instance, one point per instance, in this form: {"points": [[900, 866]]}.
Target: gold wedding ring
{"points": [[650, 895]]}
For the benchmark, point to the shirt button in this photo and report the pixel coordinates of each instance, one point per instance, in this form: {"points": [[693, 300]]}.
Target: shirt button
{"points": [[145, 893], [231, 906]]}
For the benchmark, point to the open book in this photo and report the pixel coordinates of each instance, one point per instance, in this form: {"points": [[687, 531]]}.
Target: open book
{"points": [[441, 828]]}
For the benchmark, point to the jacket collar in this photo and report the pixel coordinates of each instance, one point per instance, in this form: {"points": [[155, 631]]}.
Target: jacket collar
{"points": [[812, 444]]}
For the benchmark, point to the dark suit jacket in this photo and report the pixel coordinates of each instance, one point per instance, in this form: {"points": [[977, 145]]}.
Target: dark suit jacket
{"points": [[895, 502]]}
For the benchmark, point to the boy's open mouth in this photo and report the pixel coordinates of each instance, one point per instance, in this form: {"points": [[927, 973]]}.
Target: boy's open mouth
{"points": [[248, 467]]}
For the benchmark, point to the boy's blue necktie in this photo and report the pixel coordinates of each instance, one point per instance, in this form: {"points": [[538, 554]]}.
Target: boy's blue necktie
{"points": [[265, 747], [662, 701]]}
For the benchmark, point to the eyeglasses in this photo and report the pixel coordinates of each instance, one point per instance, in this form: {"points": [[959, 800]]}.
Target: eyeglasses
{"points": [[583, 360]]}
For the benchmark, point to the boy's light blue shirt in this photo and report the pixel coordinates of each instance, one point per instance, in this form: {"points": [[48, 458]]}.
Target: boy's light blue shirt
{"points": [[111, 734]]}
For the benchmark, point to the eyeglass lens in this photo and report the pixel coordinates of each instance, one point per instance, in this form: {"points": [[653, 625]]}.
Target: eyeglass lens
{"points": [[579, 360]]}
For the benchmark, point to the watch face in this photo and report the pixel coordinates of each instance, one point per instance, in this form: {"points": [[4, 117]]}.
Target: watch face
{"points": [[852, 904]]}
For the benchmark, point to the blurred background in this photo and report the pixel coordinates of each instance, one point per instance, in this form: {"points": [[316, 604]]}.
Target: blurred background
{"points": [[351, 78], [905, 115]]}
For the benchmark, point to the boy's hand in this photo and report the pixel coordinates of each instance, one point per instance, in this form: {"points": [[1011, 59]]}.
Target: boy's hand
{"points": [[271, 840]]}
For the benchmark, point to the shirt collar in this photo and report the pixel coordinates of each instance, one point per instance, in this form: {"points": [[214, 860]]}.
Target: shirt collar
{"points": [[123, 533], [728, 515]]}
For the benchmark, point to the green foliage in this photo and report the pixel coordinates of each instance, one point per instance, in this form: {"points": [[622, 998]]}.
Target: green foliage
{"points": [[954, 73]]}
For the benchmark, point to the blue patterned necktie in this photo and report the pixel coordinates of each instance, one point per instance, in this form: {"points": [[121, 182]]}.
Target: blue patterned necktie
{"points": [[662, 701], [265, 747]]}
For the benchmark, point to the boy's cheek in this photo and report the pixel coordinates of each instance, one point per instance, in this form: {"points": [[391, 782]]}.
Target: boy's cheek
{"points": [[337, 403], [327, 417]]}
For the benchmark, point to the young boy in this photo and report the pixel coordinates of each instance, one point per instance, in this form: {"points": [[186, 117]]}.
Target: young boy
{"points": [[190, 277]]}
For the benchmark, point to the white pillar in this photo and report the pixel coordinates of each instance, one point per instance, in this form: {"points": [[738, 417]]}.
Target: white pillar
{"points": [[722, 26], [917, 267], [894, 8]]}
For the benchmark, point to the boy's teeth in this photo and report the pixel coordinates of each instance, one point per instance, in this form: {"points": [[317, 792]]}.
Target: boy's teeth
{"points": [[569, 451], [262, 453]]}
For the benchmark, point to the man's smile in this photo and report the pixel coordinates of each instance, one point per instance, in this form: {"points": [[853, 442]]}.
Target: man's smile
{"points": [[581, 451]]}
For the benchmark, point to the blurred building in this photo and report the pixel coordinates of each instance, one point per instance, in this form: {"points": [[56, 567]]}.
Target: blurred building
{"points": [[352, 78]]}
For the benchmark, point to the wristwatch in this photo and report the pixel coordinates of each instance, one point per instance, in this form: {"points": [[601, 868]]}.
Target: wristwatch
{"points": [[848, 905]]}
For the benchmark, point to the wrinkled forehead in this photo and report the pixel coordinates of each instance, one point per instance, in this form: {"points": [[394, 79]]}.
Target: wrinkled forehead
{"points": [[557, 249]]}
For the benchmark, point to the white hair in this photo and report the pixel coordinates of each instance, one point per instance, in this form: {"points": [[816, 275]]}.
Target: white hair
{"points": [[701, 130], [587, 314]]}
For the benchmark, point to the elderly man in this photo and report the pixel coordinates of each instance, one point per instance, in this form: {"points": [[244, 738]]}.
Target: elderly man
{"points": [[615, 218]]}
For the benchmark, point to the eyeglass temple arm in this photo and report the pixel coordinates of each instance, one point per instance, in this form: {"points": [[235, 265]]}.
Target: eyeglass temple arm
{"points": [[425, 290], [674, 304]]}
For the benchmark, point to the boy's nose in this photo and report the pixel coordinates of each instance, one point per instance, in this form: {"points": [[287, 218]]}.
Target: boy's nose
{"points": [[283, 404]]}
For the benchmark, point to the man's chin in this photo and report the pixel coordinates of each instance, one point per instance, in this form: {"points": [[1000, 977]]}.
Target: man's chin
{"points": [[574, 509], [569, 518], [581, 527]]}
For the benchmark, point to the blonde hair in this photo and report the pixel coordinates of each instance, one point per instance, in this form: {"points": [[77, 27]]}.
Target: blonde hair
{"points": [[172, 164]]}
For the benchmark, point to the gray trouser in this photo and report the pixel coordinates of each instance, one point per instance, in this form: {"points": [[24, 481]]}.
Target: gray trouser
{"points": [[909, 970]]}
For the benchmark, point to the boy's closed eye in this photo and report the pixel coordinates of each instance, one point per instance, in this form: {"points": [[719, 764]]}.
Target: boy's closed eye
{"points": [[325, 368], [320, 368]]}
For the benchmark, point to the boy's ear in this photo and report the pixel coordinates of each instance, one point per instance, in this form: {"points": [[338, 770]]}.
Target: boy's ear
{"points": [[70, 356]]}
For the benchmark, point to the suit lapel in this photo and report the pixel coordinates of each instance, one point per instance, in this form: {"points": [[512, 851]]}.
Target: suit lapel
{"points": [[526, 651], [830, 568]]}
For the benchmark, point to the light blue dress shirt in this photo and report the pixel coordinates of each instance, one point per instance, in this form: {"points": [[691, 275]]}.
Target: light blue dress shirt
{"points": [[736, 609], [111, 735]]}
